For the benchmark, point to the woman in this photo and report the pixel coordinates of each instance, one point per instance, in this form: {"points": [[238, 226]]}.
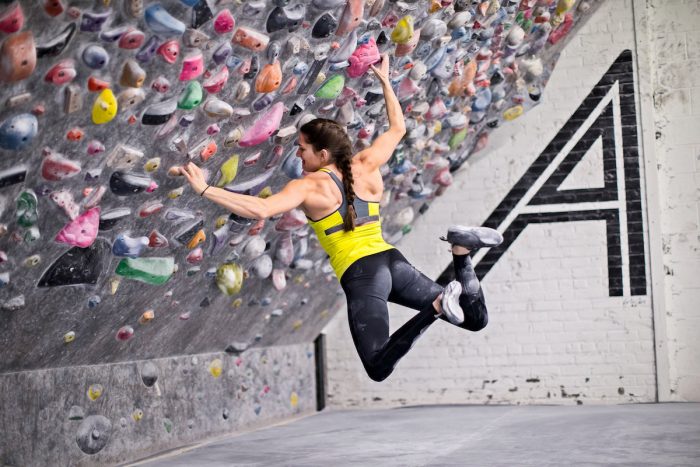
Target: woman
{"points": [[340, 195]]}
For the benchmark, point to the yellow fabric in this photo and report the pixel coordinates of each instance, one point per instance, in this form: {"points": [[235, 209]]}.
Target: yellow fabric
{"points": [[344, 248]]}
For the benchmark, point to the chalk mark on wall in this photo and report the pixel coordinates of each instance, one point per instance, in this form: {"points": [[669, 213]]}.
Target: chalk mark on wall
{"points": [[607, 114]]}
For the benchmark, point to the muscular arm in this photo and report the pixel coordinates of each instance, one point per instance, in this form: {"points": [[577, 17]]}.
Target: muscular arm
{"points": [[383, 146], [293, 195]]}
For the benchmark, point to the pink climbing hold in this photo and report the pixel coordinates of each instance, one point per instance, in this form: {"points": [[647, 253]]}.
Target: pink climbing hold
{"points": [[285, 249], [224, 22], [365, 55], [437, 109], [291, 220], [61, 73], [563, 29], [195, 256], [217, 81], [169, 51], [264, 127], [55, 167], [12, 20], [192, 66], [82, 231], [125, 333], [95, 147], [407, 88]]}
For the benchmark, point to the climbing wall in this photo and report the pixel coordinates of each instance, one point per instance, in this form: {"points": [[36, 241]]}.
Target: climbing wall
{"points": [[106, 255]]}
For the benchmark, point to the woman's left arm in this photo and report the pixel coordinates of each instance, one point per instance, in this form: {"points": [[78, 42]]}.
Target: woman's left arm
{"points": [[252, 207]]}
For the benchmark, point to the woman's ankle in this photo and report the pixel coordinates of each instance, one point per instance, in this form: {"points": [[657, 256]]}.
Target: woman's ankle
{"points": [[459, 250]]}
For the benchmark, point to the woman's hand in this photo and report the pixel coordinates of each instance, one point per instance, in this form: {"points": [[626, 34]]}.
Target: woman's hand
{"points": [[383, 71], [194, 176]]}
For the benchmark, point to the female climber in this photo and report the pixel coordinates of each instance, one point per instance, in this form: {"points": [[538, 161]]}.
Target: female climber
{"points": [[340, 195]]}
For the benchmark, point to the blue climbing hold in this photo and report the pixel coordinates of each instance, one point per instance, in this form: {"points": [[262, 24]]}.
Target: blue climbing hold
{"points": [[95, 57], [162, 22], [292, 164], [17, 132], [131, 247]]}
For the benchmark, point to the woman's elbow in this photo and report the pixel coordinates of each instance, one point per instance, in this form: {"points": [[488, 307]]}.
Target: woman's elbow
{"points": [[399, 129]]}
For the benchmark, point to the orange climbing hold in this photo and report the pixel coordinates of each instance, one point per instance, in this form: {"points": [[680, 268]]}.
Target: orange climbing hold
{"points": [[208, 151], [97, 85], [75, 134], [269, 78], [198, 238]]}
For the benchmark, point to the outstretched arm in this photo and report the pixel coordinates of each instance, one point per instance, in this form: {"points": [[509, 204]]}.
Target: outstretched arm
{"points": [[292, 195], [383, 146]]}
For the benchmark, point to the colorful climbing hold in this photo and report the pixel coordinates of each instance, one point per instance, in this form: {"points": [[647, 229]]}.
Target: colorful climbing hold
{"points": [[154, 271], [229, 278]]}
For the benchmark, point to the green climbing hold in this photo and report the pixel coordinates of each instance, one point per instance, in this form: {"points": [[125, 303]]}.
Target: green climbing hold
{"points": [[331, 88], [229, 170], [191, 97], [27, 213], [229, 278], [153, 271], [457, 138]]}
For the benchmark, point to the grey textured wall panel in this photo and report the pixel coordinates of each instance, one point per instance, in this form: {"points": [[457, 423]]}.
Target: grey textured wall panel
{"points": [[49, 416]]}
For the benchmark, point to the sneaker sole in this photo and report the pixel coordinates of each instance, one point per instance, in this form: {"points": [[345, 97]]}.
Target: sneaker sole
{"points": [[473, 237]]}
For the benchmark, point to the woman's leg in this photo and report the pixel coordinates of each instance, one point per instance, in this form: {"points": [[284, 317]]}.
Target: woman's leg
{"points": [[471, 300], [368, 283]]}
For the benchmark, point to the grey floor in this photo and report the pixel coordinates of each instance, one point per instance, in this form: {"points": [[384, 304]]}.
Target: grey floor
{"points": [[634, 435]]}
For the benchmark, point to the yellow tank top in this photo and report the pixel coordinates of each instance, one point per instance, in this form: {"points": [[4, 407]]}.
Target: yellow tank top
{"points": [[344, 248]]}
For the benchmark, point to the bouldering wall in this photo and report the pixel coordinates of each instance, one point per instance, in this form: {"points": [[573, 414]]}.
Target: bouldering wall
{"points": [[106, 257]]}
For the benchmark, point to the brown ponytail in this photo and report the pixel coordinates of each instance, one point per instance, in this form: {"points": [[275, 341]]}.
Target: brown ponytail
{"points": [[322, 133]]}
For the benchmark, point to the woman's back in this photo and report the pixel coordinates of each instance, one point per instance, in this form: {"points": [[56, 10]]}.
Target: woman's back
{"points": [[368, 186]]}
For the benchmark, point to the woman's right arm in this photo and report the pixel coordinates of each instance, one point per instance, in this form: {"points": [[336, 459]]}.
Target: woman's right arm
{"points": [[384, 145]]}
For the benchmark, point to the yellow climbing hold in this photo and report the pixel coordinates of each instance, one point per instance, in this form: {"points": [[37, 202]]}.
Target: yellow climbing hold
{"points": [[216, 368], [221, 221], [229, 278], [294, 399], [95, 391], [152, 164], [265, 192], [105, 107], [513, 112], [403, 31], [114, 285], [137, 415], [325, 313], [237, 303], [69, 337], [176, 193], [297, 324], [438, 127], [229, 170], [563, 6]]}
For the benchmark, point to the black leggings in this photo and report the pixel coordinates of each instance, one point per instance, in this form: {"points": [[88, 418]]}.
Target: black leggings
{"points": [[387, 276]]}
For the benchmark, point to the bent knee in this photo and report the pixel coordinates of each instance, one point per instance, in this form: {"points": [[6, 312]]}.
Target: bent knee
{"points": [[476, 325], [378, 373]]}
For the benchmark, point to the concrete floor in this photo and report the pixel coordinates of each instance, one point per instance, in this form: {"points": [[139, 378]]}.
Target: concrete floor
{"points": [[634, 435]]}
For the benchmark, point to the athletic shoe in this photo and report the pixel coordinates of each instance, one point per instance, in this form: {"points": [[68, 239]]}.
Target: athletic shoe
{"points": [[473, 238], [450, 303]]}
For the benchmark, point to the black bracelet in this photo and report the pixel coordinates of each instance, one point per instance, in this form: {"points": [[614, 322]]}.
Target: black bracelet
{"points": [[202, 193]]}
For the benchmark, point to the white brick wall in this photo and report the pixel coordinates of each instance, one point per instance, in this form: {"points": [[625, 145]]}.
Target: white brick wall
{"points": [[555, 336], [674, 29]]}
